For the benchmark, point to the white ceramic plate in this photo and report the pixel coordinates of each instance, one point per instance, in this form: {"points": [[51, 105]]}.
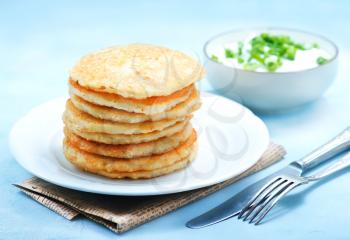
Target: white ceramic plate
{"points": [[231, 139]]}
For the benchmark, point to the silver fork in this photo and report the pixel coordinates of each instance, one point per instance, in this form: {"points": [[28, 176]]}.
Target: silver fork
{"points": [[268, 196]]}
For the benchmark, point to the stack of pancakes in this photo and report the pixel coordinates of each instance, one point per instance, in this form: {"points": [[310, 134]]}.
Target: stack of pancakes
{"points": [[129, 111]]}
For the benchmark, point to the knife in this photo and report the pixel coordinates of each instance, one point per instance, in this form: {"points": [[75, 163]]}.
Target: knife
{"points": [[233, 206]]}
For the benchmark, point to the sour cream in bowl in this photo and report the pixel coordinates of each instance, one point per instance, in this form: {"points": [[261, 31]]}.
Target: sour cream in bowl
{"points": [[271, 69]]}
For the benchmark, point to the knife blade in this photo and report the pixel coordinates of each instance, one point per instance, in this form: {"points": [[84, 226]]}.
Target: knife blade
{"points": [[232, 206]]}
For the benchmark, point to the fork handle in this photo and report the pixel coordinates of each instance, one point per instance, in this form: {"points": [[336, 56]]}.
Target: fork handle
{"points": [[344, 162], [335, 146]]}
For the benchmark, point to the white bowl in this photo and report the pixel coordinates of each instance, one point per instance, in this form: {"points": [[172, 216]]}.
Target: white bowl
{"points": [[271, 91]]}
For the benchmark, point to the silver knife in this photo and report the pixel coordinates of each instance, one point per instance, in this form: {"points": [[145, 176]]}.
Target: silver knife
{"points": [[232, 206]]}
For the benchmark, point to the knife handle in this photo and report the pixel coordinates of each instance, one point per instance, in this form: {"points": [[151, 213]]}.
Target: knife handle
{"points": [[335, 146]]}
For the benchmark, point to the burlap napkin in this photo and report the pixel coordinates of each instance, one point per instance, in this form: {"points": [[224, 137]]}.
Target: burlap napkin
{"points": [[120, 213]]}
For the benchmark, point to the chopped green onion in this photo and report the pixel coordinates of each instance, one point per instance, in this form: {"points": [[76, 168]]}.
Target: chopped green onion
{"points": [[279, 61], [229, 53], [267, 51], [251, 66], [290, 53], [240, 48], [258, 58], [266, 45], [299, 46], [271, 66], [321, 60], [215, 58], [315, 45]]}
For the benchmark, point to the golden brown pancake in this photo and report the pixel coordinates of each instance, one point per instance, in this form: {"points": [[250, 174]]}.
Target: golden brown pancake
{"points": [[137, 71], [130, 110], [87, 160], [108, 113], [149, 106], [159, 146], [127, 138], [141, 174], [87, 123]]}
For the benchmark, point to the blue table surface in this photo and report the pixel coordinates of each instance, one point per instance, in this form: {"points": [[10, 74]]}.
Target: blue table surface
{"points": [[41, 40]]}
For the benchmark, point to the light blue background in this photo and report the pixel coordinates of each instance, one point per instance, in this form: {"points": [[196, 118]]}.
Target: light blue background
{"points": [[41, 40]]}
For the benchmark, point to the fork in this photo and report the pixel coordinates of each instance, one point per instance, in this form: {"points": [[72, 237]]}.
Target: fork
{"points": [[269, 195]]}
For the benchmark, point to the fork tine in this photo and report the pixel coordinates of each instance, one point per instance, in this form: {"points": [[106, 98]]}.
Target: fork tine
{"points": [[257, 195], [260, 197], [270, 198], [274, 202], [252, 209], [264, 197]]}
